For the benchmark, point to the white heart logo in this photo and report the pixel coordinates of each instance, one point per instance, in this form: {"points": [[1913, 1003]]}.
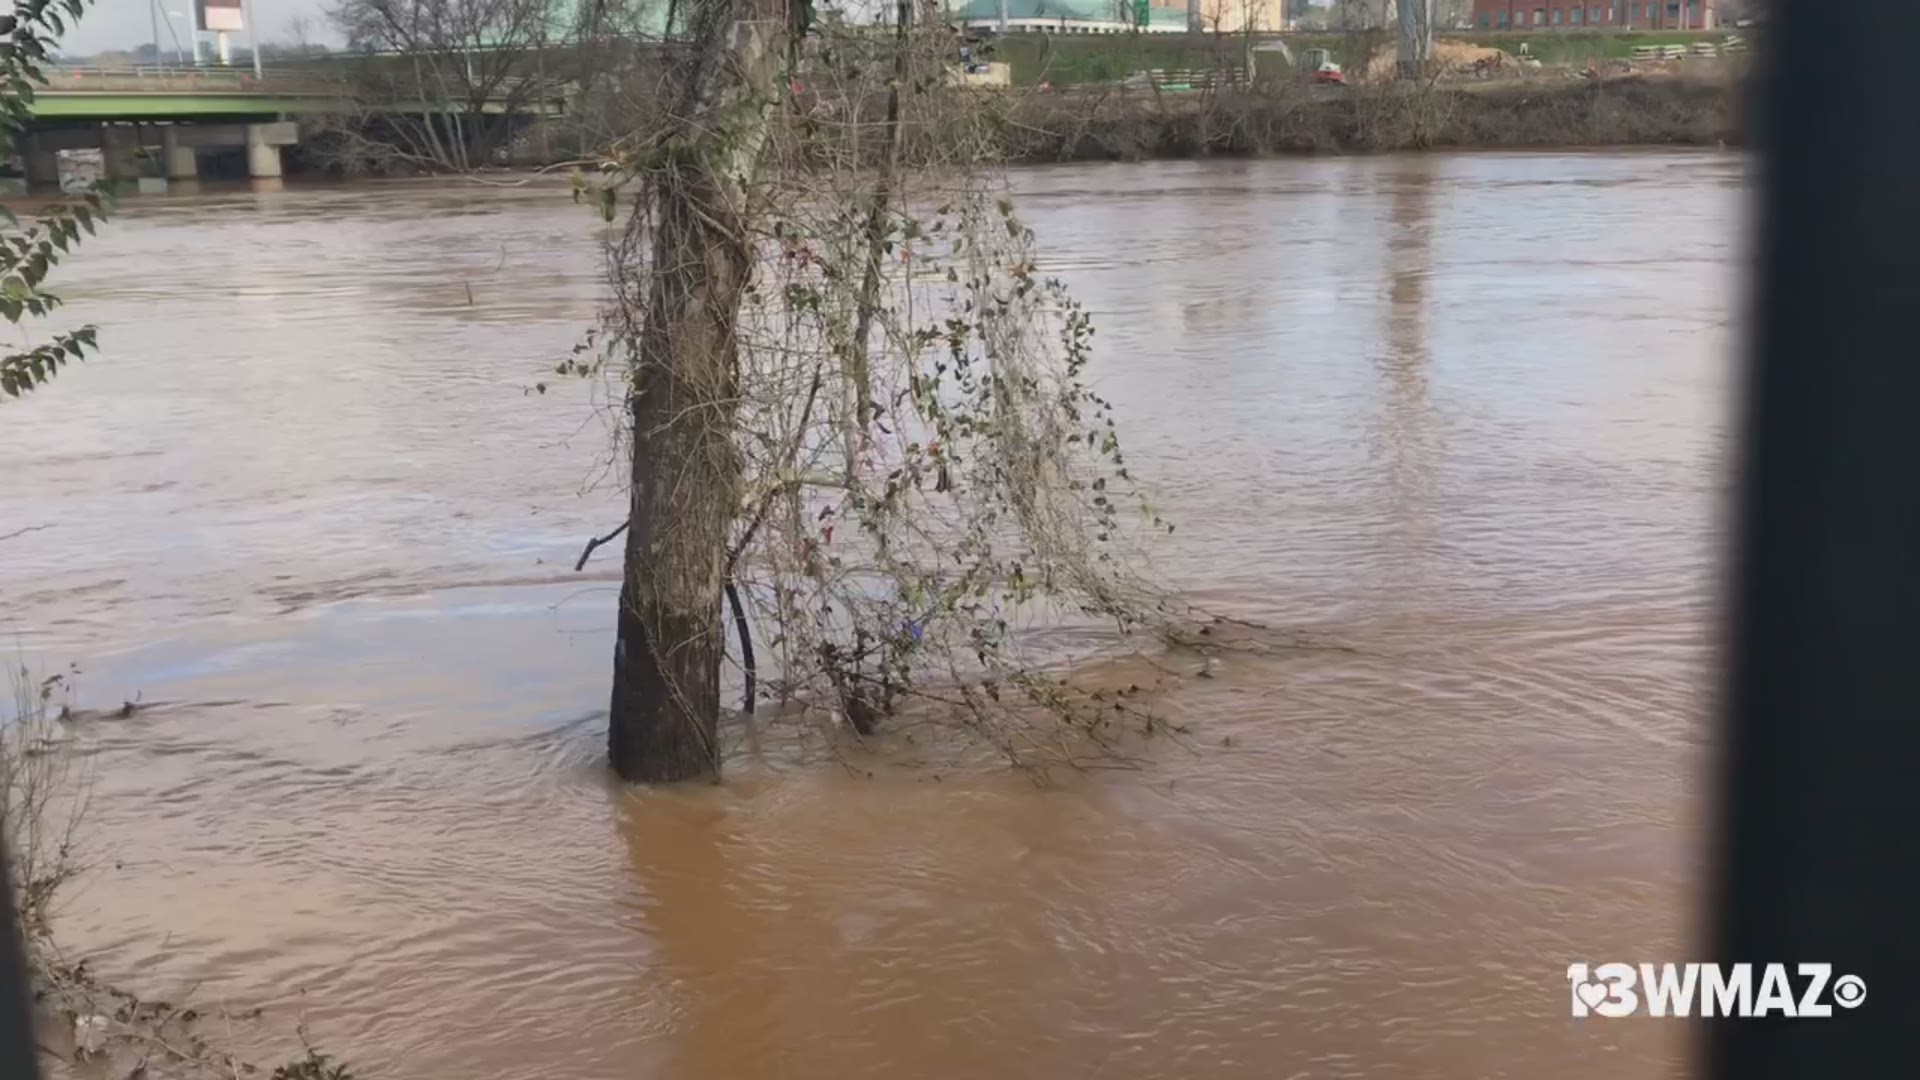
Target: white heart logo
{"points": [[1592, 993]]}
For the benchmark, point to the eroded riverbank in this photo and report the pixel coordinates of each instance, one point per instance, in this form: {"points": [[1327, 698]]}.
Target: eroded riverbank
{"points": [[1556, 111]]}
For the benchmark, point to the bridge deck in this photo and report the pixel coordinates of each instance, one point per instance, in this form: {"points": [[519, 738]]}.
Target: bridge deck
{"points": [[80, 93]]}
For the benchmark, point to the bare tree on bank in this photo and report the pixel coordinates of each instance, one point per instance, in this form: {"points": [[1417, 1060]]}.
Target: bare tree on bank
{"points": [[858, 411], [462, 68], [551, 80], [618, 66], [297, 44]]}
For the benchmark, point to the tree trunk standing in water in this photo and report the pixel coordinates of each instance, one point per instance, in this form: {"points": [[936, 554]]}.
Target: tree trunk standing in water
{"points": [[686, 470]]}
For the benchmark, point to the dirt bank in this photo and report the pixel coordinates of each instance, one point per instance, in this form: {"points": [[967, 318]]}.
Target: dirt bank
{"points": [[1452, 57], [1558, 112], [1115, 123]]}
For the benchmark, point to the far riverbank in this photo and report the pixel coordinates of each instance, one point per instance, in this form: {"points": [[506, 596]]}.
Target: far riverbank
{"points": [[1559, 112]]}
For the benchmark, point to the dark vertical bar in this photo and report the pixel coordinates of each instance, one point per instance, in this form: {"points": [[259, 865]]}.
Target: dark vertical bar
{"points": [[17, 1057], [1819, 860]]}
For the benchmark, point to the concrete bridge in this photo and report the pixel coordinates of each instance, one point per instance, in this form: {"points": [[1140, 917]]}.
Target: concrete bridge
{"points": [[183, 94], [182, 111]]}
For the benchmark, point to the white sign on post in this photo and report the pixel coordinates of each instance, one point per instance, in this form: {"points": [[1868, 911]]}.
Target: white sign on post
{"points": [[221, 15]]}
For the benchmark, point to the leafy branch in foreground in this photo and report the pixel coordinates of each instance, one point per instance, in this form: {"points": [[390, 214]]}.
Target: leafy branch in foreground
{"points": [[29, 252]]}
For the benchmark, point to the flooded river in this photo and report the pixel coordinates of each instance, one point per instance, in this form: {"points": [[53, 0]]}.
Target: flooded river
{"points": [[1463, 417]]}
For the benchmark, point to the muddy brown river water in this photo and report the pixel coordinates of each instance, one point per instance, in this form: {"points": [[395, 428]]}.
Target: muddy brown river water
{"points": [[1462, 416]]}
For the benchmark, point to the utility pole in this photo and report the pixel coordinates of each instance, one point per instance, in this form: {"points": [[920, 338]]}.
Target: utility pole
{"points": [[1194, 23], [153, 11], [253, 35], [1416, 36]]}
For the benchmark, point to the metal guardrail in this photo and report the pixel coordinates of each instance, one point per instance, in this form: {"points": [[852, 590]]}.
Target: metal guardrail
{"points": [[284, 66], [139, 70], [1195, 78], [79, 78], [280, 83], [1680, 52]]}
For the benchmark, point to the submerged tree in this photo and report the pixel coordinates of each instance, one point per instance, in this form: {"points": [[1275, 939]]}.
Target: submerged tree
{"points": [[30, 250], [857, 408], [679, 320]]}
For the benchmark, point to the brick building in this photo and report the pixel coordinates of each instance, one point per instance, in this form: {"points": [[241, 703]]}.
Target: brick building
{"points": [[1594, 14]]}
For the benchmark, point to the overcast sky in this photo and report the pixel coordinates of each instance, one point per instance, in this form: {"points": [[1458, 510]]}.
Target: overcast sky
{"points": [[123, 24]]}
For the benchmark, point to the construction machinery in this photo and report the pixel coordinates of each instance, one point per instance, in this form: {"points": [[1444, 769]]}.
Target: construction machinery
{"points": [[1317, 65]]}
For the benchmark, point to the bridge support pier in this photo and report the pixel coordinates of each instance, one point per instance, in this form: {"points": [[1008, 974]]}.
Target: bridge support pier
{"points": [[181, 162], [43, 163], [263, 156], [116, 155]]}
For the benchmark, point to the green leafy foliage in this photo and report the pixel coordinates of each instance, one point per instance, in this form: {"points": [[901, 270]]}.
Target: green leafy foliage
{"points": [[30, 251]]}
